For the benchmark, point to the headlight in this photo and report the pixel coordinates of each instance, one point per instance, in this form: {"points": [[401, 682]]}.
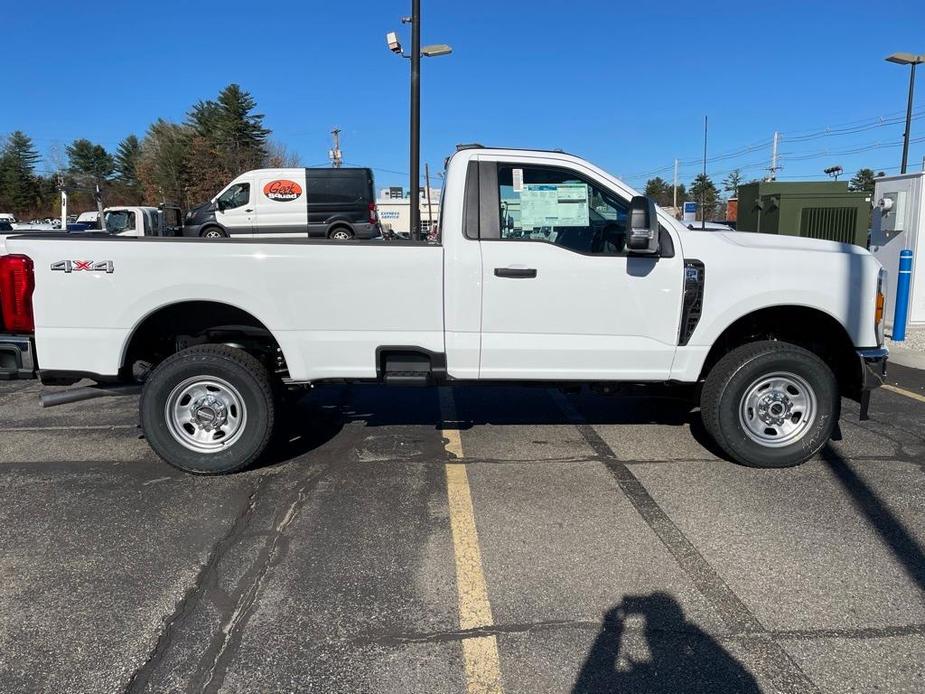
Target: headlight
{"points": [[880, 306]]}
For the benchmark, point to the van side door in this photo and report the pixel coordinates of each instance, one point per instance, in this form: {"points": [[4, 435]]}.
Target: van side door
{"points": [[562, 297], [235, 209], [281, 204]]}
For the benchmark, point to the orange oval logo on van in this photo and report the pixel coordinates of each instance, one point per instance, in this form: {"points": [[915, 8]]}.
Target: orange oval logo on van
{"points": [[282, 190]]}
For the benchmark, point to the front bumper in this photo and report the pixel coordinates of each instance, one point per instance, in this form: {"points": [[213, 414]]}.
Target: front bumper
{"points": [[17, 357], [873, 373]]}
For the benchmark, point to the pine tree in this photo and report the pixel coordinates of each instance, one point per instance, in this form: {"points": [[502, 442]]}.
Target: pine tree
{"points": [[126, 161], [162, 168], [88, 160], [229, 128], [864, 180], [659, 190], [705, 193], [18, 158], [732, 182], [663, 192]]}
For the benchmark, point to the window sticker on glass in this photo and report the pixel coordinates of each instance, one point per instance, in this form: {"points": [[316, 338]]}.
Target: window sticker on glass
{"points": [[554, 205], [518, 180]]}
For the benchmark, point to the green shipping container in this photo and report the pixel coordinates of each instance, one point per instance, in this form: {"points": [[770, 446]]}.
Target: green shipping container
{"points": [[819, 210]]}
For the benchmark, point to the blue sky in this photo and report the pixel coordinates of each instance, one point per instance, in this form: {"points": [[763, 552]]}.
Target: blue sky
{"points": [[625, 85]]}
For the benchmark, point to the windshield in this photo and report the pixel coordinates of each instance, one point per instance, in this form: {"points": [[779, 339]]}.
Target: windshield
{"points": [[119, 221]]}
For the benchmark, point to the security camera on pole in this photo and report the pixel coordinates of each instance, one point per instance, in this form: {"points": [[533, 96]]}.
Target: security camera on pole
{"points": [[416, 53]]}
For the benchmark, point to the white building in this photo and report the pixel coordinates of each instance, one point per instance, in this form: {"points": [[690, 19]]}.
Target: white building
{"points": [[395, 209]]}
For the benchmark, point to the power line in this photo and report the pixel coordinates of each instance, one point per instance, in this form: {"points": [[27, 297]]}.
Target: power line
{"points": [[847, 128]]}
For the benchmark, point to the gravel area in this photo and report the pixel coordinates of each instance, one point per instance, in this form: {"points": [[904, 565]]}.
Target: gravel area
{"points": [[915, 340]]}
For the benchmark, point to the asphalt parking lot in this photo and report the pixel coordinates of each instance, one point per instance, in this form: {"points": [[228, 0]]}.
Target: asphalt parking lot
{"points": [[483, 539]]}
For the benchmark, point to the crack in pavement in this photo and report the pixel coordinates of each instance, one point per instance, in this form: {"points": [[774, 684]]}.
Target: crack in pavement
{"points": [[232, 630], [860, 633], [206, 578]]}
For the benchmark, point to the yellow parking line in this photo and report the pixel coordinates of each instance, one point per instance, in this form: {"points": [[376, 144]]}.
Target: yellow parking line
{"points": [[903, 391], [480, 653]]}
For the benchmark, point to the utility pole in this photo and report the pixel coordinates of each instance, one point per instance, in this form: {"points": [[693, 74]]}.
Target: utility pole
{"points": [[910, 60], [908, 118], [335, 155], [675, 195], [772, 170], [414, 178]]}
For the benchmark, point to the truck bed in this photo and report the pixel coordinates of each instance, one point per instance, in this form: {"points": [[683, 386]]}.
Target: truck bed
{"points": [[329, 304]]}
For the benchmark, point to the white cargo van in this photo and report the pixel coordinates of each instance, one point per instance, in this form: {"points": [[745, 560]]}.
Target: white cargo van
{"points": [[337, 204]]}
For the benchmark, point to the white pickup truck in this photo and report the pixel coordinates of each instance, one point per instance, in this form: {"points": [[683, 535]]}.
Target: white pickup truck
{"points": [[547, 270]]}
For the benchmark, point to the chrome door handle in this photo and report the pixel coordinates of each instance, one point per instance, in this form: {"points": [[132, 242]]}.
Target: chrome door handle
{"points": [[516, 272]]}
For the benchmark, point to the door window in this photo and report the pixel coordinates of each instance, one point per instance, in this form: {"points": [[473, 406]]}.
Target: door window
{"points": [[236, 196], [555, 206]]}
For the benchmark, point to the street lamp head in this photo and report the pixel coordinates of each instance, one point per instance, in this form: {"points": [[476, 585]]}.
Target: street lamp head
{"points": [[393, 43], [435, 50], [905, 58]]}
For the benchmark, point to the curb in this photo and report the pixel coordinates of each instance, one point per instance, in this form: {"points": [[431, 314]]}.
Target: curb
{"points": [[907, 357]]}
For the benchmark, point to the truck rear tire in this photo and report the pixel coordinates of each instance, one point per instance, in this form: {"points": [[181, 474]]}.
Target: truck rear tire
{"points": [[208, 410], [770, 404], [341, 233]]}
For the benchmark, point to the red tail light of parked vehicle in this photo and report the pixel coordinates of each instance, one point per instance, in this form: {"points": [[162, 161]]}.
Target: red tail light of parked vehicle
{"points": [[17, 282], [373, 214]]}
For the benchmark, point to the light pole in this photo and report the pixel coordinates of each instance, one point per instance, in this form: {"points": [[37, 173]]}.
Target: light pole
{"points": [[415, 145], [911, 60]]}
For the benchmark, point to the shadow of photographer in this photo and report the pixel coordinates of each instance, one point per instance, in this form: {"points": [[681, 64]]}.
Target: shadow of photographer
{"points": [[647, 645]]}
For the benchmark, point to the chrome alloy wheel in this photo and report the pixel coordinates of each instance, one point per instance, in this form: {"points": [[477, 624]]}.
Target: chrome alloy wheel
{"points": [[777, 409], [341, 235], [212, 234], [205, 414]]}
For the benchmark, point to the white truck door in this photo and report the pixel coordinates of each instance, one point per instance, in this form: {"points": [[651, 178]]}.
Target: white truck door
{"points": [[561, 297], [281, 204], [235, 208]]}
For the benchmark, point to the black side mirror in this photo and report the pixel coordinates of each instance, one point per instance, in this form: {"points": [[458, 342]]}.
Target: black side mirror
{"points": [[642, 226]]}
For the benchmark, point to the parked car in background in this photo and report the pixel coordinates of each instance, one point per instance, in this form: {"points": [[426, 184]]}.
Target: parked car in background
{"points": [[84, 221], [337, 204], [7, 217], [165, 220]]}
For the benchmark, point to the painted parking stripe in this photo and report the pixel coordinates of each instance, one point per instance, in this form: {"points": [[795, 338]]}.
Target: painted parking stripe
{"points": [[480, 653], [903, 391]]}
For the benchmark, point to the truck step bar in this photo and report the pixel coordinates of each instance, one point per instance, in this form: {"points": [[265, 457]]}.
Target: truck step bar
{"points": [[407, 368]]}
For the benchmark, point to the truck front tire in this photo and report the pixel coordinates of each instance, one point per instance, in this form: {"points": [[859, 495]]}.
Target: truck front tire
{"points": [[770, 404], [208, 410], [213, 233]]}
